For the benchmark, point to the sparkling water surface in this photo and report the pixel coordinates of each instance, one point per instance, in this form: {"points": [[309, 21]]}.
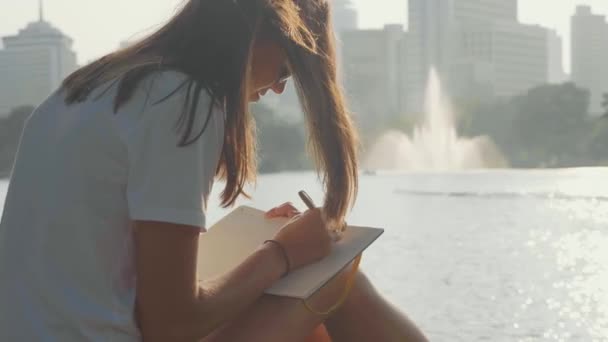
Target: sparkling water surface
{"points": [[480, 255]]}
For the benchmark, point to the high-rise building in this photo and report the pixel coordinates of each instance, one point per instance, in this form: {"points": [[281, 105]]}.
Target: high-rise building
{"points": [[434, 42], [33, 63], [476, 45], [345, 16], [429, 44], [506, 58], [374, 78], [589, 54], [555, 50], [520, 57], [484, 11]]}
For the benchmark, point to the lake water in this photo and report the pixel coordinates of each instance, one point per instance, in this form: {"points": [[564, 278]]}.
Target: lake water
{"points": [[481, 256]]}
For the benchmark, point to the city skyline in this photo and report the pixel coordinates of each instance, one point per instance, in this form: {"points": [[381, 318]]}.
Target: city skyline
{"points": [[91, 42]]}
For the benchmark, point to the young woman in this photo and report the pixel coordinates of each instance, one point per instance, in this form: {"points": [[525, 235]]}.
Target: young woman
{"points": [[98, 240]]}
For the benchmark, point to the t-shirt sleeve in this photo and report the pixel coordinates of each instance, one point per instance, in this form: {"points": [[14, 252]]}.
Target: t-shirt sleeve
{"points": [[166, 182]]}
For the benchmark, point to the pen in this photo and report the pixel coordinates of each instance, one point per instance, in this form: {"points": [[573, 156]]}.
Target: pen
{"points": [[306, 199], [336, 234]]}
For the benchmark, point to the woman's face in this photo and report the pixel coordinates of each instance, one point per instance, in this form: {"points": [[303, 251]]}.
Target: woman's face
{"points": [[269, 69]]}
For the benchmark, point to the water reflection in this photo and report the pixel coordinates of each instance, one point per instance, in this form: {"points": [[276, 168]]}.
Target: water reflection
{"points": [[497, 267], [578, 296]]}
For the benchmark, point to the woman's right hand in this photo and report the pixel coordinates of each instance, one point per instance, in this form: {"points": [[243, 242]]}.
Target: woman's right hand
{"points": [[305, 238]]}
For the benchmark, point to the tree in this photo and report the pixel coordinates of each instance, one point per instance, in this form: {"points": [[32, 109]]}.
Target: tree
{"points": [[551, 124], [597, 142], [10, 133], [546, 126], [281, 144]]}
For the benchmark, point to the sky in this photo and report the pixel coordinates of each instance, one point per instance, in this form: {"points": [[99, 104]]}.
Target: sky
{"points": [[98, 27]]}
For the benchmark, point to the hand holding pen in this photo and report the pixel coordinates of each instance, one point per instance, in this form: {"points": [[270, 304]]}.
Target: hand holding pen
{"points": [[336, 234]]}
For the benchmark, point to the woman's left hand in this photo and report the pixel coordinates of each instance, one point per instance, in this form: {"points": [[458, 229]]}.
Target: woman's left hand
{"points": [[287, 210]]}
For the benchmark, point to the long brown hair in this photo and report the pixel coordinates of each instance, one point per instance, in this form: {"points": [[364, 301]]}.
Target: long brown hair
{"points": [[211, 42]]}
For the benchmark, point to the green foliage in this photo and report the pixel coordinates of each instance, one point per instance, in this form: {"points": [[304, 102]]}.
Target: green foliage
{"points": [[546, 127], [10, 133], [281, 144]]}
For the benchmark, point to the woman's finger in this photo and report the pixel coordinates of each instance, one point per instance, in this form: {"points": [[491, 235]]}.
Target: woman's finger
{"points": [[285, 210]]}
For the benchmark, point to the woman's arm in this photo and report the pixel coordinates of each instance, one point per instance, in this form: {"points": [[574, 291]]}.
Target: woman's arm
{"points": [[171, 306]]}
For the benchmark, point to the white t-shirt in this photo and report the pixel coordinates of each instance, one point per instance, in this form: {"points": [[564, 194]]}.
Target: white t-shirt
{"points": [[81, 176]]}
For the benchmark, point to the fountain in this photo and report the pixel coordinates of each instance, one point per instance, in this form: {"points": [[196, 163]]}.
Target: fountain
{"points": [[435, 144]]}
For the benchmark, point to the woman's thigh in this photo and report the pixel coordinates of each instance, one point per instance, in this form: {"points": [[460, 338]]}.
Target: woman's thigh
{"points": [[280, 319], [271, 319]]}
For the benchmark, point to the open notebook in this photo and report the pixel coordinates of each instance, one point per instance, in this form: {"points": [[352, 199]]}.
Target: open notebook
{"points": [[240, 233]]}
